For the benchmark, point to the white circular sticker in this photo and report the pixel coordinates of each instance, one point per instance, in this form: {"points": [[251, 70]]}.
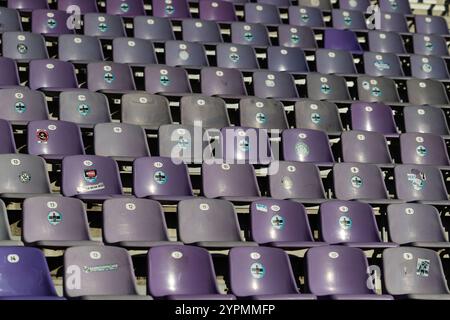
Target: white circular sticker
{"points": [[163, 72], [101, 19], [214, 4], [198, 24], [219, 73], [368, 108], [181, 131], [107, 68], [259, 104], [275, 208], [158, 164], [419, 139], [143, 100], [13, 258], [331, 54], [131, 43], [354, 169], [421, 111], [408, 256], [247, 27], [88, 163], [19, 95], [361, 137], [225, 166], [343, 209], [52, 205], [81, 97], [117, 129], [95, 255], [182, 46], [314, 106], [130, 206], [255, 255], [422, 84], [150, 21], [283, 51], [21, 37], [409, 211], [52, 127], [382, 36], [233, 49], [293, 30], [302, 135], [77, 40], [259, 8], [15, 162], [323, 79], [50, 66], [333, 254], [204, 206], [291, 168], [177, 255], [201, 102], [241, 133]]}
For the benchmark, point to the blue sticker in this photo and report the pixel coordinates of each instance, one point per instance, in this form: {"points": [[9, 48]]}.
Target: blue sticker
{"points": [[421, 151], [429, 45], [417, 179], [24, 177], [257, 270], [160, 177], [356, 182], [345, 222], [394, 4], [304, 17], [234, 57], [277, 222], [261, 207], [261, 118], [183, 143], [302, 149], [124, 7], [164, 80], [84, 109], [52, 23], [109, 77], [347, 20], [169, 9], [20, 107], [248, 36], [376, 92], [54, 218], [381, 65], [244, 144], [426, 68], [315, 118], [295, 38], [103, 27], [22, 48], [325, 88]]}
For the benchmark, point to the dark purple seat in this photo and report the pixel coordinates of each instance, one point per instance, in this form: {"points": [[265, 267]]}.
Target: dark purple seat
{"points": [[103, 25], [182, 273], [28, 5], [21, 105], [55, 222], [385, 41], [430, 24], [365, 147], [7, 142], [296, 37], [426, 91], [262, 113], [286, 59], [165, 79], [54, 139], [153, 28], [254, 34], [401, 6], [50, 22], [391, 21], [428, 67], [10, 73], [263, 274], [423, 148], [221, 81], [9, 20], [326, 87], [196, 30], [86, 6], [334, 61], [90, 177], [109, 76], [162, 179], [217, 10], [341, 40], [273, 84], [429, 44], [50, 74], [305, 16], [360, 5], [318, 115], [339, 273], [350, 223], [24, 46], [348, 19], [261, 13], [170, 9], [183, 53], [134, 223], [128, 8], [79, 48], [25, 275], [281, 223], [373, 116], [6, 239]]}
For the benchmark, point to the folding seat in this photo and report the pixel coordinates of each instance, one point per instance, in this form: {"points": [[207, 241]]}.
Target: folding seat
{"points": [[109, 77], [350, 223], [324, 5], [326, 87], [338, 39], [305, 16], [149, 111], [401, 6], [377, 89], [133, 51], [262, 113], [281, 223], [417, 225], [261, 13], [346, 270], [55, 222], [28, 280], [153, 28], [23, 46], [162, 179], [182, 53], [134, 223], [365, 147], [425, 119], [359, 5], [359, 181], [278, 3], [295, 180], [7, 143], [221, 81], [414, 273], [204, 111], [103, 25], [10, 73], [85, 6], [23, 176], [166, 79], [306, 145], [263, 274], [50, 22], [430, 24], [374, 117], [240, 56], [183, 143], [209, 223], [334, 61], [121, 141], [128, 8], [21, 105], [195, 30], [415, 182], [9, 20], [54, 139], [5, 231], [28, 5], [217, 10], [348, 19], [233, 182], [423, 148], [393, 22], [385, 41], [426, 91], [318, 115], [101, 273], [170, 9], [286, 59], [297, 37], [254, 34], [425, 67], [84, 107], [182, 273], [52, 75], [382, 64], [79, 48], [429, 44], [90, 177], [245, 145], [274, 84]]}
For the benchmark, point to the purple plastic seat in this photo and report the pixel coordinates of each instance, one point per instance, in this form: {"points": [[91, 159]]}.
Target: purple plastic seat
{"points": [[261, 13], [221, 81], [318, 115], [401, 6], [423, 148], [160, 178], [217, 10], [274, 84], [352, 224], [339, 273], [426, 91], [6, 239], [254, 34], [341, 40], [54, 139], [204, 111], [324, 5], [417, 225], [281, 223], [348, 19], [52, 75], [24, 46], [25, 275], [79, 48], [385, 41], [21, 105], [373, 116], [263, 274], [7, 142], [55, 222], [382, 64], [133, 51], [182, 273], [429, 44], [425, 119], [305, 16], [296, 37], [86, 6], [262, 113], [104, 273], [430, 24], [125, 8], [90, 177], [365, 147], [334, 61], [278, 3], [377, 89], [196, 30], [306, 145], [103, 25], [28, 5], [9, 20], [50, 22], [134, 223], [183, 53], [359, 5], [10, 73], [326, 87], [172, 9], [209, 223], [153, 28], [240, 56], [166, 79], [428, 67], [393, 22], [109, 76]]}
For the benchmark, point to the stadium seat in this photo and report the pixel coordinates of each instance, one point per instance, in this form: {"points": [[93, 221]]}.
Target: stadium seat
{"points": [[274, 84], [324, 5], [296, 37], [204, 111], [86, 6], [153, 28], [425, 119], [426, 67], [28, 5], [217, 10], [9, 71], [348, 19], [426, 91], [286, 59], [21, 105], [401, 6], [326, 87], [50, 22], [365, 147], [261, 13], [377, 89], [305, 16], [429, 44], [23, 46], [6, 239], [9, 20], [195, 30], [423, 148], [254, 34], [166, 79], [7, 142], [109, 77], [52, 75], [318, 115], [172, 9], [430, 24], [385, 41], [133, 51], [382, 64], [334, 61], [221, 81], [240, 56], [129, 8], [393, 22], [359, 5], [103, 25], [374, 117], [337, 39], [79, 48], [262, 113], [186, 54]]}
